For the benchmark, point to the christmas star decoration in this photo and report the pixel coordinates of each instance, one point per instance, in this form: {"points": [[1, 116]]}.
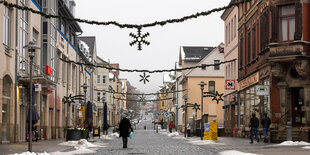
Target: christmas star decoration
{"points": [[144, 78], [217, 97], [139, 39]]}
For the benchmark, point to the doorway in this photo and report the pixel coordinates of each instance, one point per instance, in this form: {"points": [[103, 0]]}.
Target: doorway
{"points": [[6, 103], [298, 107]]}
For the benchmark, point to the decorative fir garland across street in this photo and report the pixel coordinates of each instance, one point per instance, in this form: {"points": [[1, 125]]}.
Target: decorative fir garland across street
{"points": [[148, 71], [140, 94], [136, 26], [142, 100]]}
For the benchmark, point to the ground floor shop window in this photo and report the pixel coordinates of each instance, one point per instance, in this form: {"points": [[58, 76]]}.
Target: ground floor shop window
{"points": [[267, 98], [6, 102], [241, 109], [298, 106]]}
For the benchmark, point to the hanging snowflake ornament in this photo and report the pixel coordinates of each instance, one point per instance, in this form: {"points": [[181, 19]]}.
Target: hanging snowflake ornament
{"points": [[139, 39], [144, 78]]}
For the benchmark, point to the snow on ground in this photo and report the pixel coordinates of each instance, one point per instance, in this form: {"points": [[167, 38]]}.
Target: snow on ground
{"points": [[115, 134], [31, 153], [306, 147], [79, 150], [234, 152], [293, 143], [174, 134], [204, 142], [106, 137], [80, 143]]}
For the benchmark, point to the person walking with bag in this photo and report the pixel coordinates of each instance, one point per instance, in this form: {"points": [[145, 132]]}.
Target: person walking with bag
{"points": [[266, 123], [254, 123], [124, 127]]}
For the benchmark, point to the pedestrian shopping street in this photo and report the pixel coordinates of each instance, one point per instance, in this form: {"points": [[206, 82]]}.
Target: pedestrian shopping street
{"points": [[149, 142]]}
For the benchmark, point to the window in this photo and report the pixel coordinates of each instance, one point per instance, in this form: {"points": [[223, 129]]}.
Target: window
{"points": [[98, 78], [6, 27], [35, 39], [212, 86], [254, 43], [235, 27], [241, 52], [287, 22], [103, 97], [216, 65], [23, 36], [98, 96], [249, 46], [232, 30], [103, 79], [228, 33], [204, 66], [226, 37]]}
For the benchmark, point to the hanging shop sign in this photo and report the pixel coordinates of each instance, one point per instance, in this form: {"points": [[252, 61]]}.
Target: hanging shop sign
{"points": [[262, 90], [37, 87], [249, 81], [230, 84]]}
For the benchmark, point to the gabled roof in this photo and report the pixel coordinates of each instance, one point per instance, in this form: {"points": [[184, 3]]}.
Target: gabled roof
{"points": [[195, 53], [90, 41]]}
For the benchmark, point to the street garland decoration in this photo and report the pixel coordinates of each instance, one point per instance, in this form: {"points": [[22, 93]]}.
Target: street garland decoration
{"points": [[107, 91], [144, 78], [131, 26], [142, 100], [139, 39], [143, 70], [216, 96]]}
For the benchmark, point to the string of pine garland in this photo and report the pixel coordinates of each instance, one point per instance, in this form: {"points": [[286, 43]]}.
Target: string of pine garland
{"points": [[137, 26], [142, 100], [143, 70], [107, 91]]}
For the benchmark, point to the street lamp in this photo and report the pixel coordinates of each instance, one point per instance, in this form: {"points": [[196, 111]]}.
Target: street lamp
{"points": [[201, 84], [31, 49], [84, 86], [185, 127]]}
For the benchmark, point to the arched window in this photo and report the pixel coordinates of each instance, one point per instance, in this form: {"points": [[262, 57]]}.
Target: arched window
{"points": [[6, 102]]}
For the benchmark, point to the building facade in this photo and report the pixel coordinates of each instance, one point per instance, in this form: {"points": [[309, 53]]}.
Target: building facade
{"points": [[230, 18], [273, 65]]}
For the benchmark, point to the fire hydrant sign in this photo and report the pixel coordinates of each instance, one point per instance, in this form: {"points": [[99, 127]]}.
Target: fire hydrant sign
{"points": [[210, 132]]}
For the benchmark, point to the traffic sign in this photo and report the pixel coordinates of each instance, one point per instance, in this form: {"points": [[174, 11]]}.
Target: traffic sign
{"points": [[230, 84], [166, 114]]}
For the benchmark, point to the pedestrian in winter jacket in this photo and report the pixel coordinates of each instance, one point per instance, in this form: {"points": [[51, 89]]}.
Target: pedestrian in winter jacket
{"points": [[254, 123], [266, 123], [170, 127], [125, 128]]}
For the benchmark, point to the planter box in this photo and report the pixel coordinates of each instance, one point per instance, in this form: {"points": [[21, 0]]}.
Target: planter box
{"points": [[75, 135]]}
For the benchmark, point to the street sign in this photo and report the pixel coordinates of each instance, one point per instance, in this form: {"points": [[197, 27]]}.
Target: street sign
{"points": [[230, 84], [261, 90], [38, 87], [166, 114]]}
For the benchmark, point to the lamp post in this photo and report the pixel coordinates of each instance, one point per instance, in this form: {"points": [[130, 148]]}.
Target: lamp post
{"points": [[201, 84], [185, 118], [84, 86], [31, 49]]}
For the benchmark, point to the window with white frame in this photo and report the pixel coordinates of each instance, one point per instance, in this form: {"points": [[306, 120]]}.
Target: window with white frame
{"points": [[287, 22], [6, 26], [216, 64], [23, 36], [98, 78]]}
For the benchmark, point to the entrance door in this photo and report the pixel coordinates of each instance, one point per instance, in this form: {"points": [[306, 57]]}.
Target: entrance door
{"points": [[298, 107]]}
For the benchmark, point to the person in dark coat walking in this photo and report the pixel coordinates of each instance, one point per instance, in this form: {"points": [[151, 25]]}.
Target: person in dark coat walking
{"points": [[266, 123], [254, 123], [124, 127]]}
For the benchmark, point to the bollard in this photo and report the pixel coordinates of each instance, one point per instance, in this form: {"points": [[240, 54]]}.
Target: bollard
{"points": [[156, 128], [289, 131]]}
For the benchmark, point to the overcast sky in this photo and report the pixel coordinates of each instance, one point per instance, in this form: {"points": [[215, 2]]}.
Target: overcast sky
{"points": [[165, 42]]}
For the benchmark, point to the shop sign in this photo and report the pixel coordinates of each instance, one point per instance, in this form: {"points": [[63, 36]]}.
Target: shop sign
{"points": [[261, 90], [230, 84], [82, 109], [51, 101], [37, 87], [252, 79]]}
